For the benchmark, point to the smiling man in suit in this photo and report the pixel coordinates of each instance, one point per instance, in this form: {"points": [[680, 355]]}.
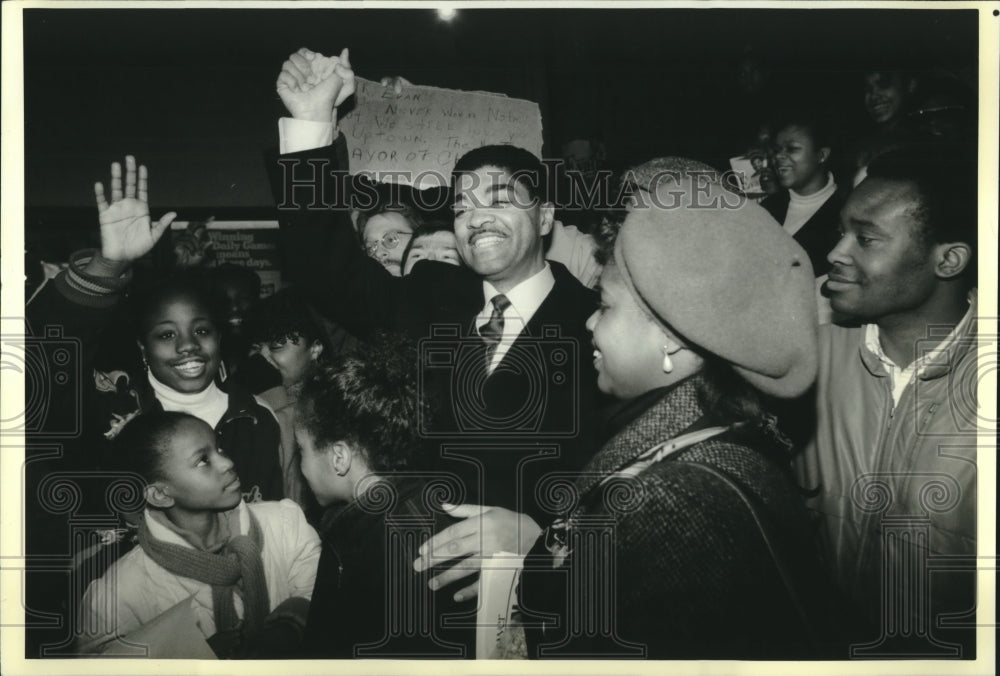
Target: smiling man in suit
{"points": [[504, 338]]}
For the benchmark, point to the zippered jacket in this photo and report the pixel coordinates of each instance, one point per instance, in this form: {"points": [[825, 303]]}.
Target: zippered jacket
{"points": [[896, 486]]}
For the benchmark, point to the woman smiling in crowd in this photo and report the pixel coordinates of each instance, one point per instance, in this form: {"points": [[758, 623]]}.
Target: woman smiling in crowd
{"points": [[809, 204], [686, 537], [295, 340]]}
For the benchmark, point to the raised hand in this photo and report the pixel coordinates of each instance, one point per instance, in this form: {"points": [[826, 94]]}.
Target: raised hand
{"points": [[127, 232], [312, 85]]}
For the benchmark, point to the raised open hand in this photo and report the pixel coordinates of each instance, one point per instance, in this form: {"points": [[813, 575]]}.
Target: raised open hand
{"points": [[312, 85], [127, 232]]}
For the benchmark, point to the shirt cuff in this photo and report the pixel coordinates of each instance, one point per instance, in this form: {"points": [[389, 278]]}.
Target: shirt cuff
{"points": [[298, 135]]}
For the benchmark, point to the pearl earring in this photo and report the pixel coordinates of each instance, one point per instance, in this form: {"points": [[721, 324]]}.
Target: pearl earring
{"points": [[668, 365]]}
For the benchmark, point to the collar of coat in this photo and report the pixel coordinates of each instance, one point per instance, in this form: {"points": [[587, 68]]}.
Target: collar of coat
{"points": [[392, 495], [948, 346], [676, 411]]}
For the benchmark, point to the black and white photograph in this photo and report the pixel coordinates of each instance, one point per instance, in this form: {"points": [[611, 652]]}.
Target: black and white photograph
{"points": [[656, 335]]}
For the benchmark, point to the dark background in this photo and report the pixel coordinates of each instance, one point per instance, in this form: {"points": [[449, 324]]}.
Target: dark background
{"points": [[191, 92]]}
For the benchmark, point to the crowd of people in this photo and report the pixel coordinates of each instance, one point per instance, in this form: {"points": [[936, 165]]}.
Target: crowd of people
{"points": [[731, 432]]}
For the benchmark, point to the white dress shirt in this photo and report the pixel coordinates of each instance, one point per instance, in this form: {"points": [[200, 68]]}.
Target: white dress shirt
{"points": [[901, 376], [525, 299]]}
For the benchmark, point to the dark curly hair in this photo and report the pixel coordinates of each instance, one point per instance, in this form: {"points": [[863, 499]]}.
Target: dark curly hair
{"points": [[370, 400], [286, 316], [815, 121]]}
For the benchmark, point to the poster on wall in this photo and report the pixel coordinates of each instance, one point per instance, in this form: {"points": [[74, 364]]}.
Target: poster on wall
{"points": [[251, 244]]}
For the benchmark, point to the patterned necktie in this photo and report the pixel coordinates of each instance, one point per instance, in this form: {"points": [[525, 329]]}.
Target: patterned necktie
{"points": [[492, 331]]}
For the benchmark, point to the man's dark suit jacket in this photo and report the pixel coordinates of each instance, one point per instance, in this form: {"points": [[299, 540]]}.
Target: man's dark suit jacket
{"points": [[499, 435], [818, 236]]}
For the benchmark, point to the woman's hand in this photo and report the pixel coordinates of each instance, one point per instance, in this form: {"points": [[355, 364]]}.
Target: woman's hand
{"points": [[483, 532], [127, 233]]}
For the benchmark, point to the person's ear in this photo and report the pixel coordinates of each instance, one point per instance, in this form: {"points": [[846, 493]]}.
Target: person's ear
{"points": [[158, 495], [671, 345], [546, 217], [951, 259], [676, 355], [315, 350], [824, 154], [340, 456]]}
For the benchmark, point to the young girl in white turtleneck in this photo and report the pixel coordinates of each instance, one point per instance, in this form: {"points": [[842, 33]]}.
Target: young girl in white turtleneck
{"points": [[178, 337]]}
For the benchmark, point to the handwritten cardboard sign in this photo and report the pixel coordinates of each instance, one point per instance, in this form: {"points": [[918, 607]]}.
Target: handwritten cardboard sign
{"points": [[422, 132]]}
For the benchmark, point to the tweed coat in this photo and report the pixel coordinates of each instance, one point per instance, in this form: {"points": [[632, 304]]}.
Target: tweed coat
{"points": [[671, 563]]}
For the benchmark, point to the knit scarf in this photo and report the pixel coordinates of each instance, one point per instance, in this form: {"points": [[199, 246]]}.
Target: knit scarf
{"points": [[234, 560]]}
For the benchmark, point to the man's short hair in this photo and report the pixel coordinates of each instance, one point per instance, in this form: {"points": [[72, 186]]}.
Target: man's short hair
{"points": [[527, 169], [370, 400], [945, 179]]}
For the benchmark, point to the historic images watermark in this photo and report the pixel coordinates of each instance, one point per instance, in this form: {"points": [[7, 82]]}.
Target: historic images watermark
{"points": [[313, 184]]}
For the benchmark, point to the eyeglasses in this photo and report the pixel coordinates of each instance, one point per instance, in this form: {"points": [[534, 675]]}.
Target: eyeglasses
{"points": [[388, 241]]}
